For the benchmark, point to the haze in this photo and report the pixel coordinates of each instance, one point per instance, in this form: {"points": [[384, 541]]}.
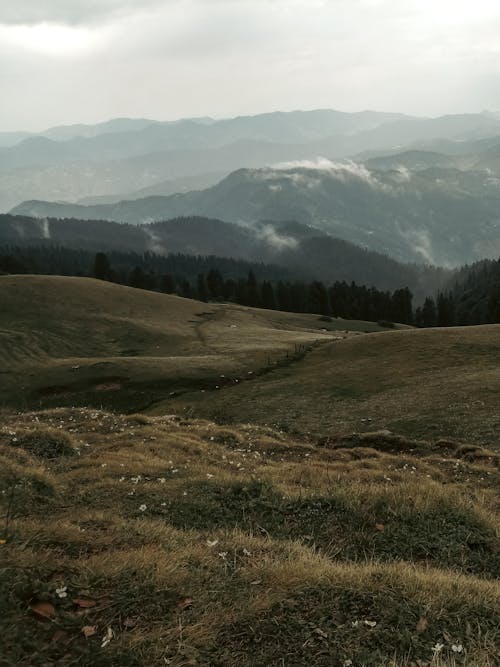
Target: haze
{"points": [[68, 61]]}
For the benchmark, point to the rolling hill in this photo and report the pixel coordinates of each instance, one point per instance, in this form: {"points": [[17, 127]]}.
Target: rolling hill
{"points": [[79, 337], [296, 525]]}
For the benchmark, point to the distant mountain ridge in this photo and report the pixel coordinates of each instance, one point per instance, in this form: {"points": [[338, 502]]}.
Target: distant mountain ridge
{"points": [[126, 155], [436, 215], [305, 250]]}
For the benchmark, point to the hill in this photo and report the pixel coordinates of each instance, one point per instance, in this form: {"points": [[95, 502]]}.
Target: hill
{"points": [[301, 250], [75, 340], [423, 383], [440, 216], [339, 507]]}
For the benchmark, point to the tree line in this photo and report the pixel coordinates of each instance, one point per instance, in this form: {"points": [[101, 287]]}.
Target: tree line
{"points": [[474, 299]]}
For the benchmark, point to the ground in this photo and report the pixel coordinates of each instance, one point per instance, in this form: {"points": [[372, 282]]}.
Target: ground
{"points": [[326, 510]]}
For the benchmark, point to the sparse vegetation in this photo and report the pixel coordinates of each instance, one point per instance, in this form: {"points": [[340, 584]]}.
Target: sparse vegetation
{"points": [[179, 540], [354, 522], [45, 443]]}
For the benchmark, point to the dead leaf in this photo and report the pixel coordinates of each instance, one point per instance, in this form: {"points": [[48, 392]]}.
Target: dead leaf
{"points": [[59, 635], [89, 630], [184, 604], [321, 633], [2, 542], [380, 527], [43, 609], [84, 604], [422, 625]]}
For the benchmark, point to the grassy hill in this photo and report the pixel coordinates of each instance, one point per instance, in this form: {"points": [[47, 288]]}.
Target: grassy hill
{"points": [[422, 383], [291, 528], [69, 341]]}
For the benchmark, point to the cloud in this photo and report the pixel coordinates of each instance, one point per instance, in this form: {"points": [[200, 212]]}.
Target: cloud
{"points": [[421, 242], [66, 61], [44, 228], [69, 12], [269, 235], [154, 242], [342, 171]]}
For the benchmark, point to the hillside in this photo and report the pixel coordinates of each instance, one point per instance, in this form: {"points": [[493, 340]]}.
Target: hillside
{"points": [[338, 507], [439, 216], [75, 340], [301, 250], [423, 383]]}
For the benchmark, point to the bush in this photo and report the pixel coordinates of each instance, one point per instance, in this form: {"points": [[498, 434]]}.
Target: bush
{"points": [[46, 443]]}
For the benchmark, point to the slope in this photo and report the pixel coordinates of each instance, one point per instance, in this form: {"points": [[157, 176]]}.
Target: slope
{"points": [[440, 216], [75, 340], [303, 250], [422, 383]]}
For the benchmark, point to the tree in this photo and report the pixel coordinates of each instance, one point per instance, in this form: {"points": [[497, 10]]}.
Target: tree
{"points": [[401, 306], [137, 278], [168, 284], [268, 298], [102, 269], [318, 301], [215, 284], [202, 287], [253, 296], [429, 313], [445, 310]]}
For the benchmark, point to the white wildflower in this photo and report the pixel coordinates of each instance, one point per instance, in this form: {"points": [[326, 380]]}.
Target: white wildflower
{"points": [[143, 508], [62, 592], [457, 648], [437, 648]]}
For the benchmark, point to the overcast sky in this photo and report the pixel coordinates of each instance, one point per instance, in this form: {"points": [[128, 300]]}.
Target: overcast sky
{"points": [[68, 61]]}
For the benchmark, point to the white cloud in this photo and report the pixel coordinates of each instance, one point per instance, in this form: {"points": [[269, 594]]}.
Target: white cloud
{"points": [[269, 235], [84, 60], [340, 170]]}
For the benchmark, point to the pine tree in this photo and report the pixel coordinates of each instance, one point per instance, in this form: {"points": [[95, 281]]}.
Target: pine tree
{"points": [[102, 269]]}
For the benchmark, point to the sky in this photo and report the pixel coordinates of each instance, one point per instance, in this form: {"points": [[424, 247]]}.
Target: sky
{"points": [[70, 61]]}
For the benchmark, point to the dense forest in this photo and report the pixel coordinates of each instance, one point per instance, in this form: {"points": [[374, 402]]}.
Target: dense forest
{"points": [[474, 298]]}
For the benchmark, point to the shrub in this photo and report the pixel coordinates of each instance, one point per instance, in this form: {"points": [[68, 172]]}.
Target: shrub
{"points": [[46, 443]]}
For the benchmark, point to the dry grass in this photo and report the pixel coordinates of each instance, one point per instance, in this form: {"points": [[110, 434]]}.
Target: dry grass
{"points": [[425, 384], [218, 545], [142, 345]]}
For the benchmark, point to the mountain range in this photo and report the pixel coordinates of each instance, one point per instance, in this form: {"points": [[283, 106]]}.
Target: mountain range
{"points": [[122, 156], [308, 252], [441, 216]]}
